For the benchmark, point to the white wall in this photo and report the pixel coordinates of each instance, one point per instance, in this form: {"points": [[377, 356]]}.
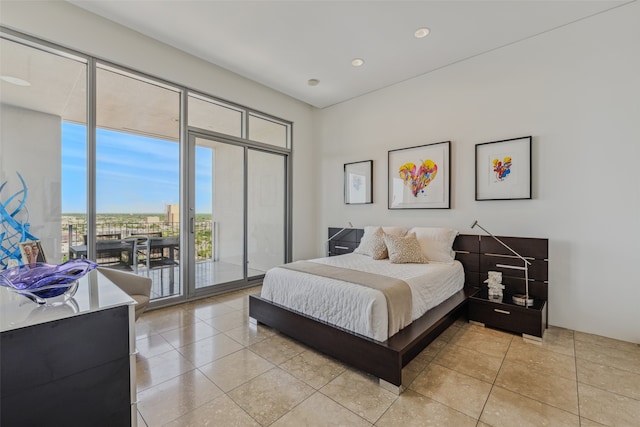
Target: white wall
{"points": [[38, 134], [577, 91], [72, 27]]}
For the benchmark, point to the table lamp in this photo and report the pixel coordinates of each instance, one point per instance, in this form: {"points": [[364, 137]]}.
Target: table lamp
{"points": [[518, 299]]}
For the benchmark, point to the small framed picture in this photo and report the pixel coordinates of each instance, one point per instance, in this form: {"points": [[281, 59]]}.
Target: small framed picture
{"points": [[419, 177], [503, 169], [358, 187], [32, 252]]}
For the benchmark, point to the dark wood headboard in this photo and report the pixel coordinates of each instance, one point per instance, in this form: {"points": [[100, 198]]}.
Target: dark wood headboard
{"points": [[480, 254]]}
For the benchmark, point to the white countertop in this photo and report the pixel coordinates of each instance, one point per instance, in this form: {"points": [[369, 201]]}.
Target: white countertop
{"points": [[95, 292]]}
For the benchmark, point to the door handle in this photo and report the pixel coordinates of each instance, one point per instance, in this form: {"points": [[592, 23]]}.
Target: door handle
{"points": [[192, 225]]}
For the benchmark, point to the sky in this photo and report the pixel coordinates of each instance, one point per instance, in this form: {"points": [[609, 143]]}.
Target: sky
{"points": [[135, 174]]}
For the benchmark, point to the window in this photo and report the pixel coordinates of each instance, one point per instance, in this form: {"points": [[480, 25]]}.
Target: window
{"points": [[215, 116], [269, 131], [44, 132], [158, 183], [138, 177]]}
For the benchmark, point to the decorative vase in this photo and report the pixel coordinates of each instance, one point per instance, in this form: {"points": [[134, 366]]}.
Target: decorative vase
{"points": [[46, 283]]}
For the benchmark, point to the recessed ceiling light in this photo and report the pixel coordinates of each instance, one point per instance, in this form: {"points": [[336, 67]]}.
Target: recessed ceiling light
{"points": [[357, 62], [421, 33], [15, 81], [313, 82]]}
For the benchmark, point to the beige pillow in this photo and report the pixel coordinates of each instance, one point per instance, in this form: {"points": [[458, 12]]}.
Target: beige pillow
{"points": [[404, 249], [372, 243]]}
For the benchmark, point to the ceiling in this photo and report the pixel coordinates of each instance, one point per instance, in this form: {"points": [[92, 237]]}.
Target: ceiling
{"points": [[36, 78], [283, 44]]}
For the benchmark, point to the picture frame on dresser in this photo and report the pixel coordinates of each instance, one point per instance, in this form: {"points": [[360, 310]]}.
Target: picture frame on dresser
{"points": [[419, 177], [503, 169], [31, 252], [358, 183]]}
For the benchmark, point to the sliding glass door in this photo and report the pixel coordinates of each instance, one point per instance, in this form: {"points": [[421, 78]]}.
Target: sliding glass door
{"points": [[218, 225], [266, 211], [238, 214]]}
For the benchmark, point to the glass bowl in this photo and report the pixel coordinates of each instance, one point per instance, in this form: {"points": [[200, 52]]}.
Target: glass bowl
{"points": [[46, 283]]}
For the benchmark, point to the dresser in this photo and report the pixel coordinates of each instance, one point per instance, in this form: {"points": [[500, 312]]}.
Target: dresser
{"points": [[71, 364]]}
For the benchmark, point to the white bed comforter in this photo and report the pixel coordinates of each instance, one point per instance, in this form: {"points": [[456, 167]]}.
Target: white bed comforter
{"points": [[358, 308]]}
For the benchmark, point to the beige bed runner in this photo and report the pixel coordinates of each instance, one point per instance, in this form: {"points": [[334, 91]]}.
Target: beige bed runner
{"points": [[397, 292]]}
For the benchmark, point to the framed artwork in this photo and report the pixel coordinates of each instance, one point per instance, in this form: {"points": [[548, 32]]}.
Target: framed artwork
{"points": [[32, 252], [419, 177], [503, 169], [358, 187]]}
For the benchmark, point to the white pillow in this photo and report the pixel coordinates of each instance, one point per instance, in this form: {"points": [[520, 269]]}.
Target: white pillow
{"points": [[372, 243], [394, 231], [436, 242]]}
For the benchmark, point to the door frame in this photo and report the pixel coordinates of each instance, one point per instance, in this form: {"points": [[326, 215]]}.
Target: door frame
{"points": [[193, 133]]}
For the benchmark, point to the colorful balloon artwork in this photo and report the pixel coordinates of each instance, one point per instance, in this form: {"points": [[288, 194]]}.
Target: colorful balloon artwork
{"points": [[502, 169], [14, 225], [418, 178]]}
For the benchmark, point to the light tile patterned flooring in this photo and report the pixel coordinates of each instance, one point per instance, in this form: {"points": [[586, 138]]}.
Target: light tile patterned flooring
{"points": [[202, 364]]}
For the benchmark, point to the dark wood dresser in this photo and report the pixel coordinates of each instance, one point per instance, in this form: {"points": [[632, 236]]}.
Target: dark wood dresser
{"points": [[481, 254], [71, 364]]}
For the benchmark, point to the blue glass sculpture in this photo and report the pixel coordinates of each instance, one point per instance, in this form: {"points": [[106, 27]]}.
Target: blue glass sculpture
{"points": [[41, 281], [14, 225]]}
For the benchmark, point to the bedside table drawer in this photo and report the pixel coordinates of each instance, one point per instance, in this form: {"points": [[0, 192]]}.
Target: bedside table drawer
{"points": [[340, 247], [508, 317]]}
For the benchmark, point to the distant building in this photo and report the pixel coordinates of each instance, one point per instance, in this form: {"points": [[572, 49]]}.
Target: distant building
{"points": [[173, 214], [152, 219]]}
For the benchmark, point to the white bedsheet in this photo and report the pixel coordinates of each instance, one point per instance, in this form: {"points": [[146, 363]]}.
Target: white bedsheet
{"points": [[358, 308]]}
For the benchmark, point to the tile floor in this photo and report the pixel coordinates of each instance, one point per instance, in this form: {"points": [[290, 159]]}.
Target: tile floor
{"points": [[202, 364]]}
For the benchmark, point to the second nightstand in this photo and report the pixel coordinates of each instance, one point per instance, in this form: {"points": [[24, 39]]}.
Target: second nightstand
{"points": [[531, 322]]}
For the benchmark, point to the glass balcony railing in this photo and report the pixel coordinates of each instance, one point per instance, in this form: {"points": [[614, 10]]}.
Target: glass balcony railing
{"points": [[74, 233]]}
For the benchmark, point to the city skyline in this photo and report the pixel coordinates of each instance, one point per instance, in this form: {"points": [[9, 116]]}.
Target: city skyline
{"points": [[134, 174]]}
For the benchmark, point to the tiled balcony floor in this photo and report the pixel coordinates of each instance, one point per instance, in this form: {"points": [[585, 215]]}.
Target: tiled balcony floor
{"points": [[202, 364]]}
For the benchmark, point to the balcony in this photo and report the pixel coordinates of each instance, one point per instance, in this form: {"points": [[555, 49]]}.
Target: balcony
{"points": [[115, 250]]}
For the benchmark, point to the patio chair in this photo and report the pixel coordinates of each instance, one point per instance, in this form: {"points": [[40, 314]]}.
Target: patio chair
{"points": [[146, 254], [137, 287], [118, 255]]}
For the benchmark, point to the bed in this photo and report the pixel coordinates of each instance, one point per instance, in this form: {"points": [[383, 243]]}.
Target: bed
{"points": [[360, 309], [385, 359]]}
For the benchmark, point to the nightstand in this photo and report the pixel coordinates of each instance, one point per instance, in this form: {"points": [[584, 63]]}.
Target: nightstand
{"points": [[531, 322], [345, 242]]}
